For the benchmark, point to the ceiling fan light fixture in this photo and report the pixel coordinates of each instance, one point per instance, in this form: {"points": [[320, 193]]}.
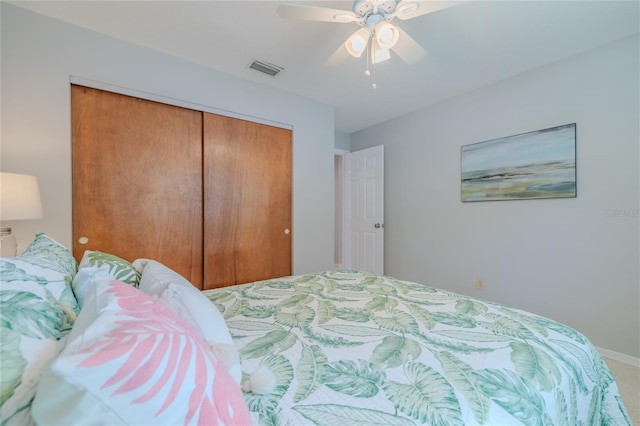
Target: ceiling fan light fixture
{"points": [[380, 55], [386, 35], [355, 45]]}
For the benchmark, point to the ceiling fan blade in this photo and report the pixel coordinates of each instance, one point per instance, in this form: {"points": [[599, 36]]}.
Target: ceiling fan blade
{"points": [[407, 9], [338, 57], [408, 49], [314, 13]]}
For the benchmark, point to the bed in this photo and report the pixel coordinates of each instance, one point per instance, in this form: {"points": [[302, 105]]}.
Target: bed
{"points": [[353, 348], [328, 348]]}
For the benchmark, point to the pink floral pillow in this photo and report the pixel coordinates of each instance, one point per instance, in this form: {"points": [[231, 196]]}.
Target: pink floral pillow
{"points": [[130, 360]]}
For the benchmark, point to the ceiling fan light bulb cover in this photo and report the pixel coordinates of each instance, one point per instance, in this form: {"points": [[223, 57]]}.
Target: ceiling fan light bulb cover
{"points": [[381, 55], [386, 35], [355, 46]]}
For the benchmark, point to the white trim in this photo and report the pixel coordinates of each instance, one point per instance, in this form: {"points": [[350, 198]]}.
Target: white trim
{"points": [[341, 153], [617, 356], [338, 176], [172, 101], [346, 214]]}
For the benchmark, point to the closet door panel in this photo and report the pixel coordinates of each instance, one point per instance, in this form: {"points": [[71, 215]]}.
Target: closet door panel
{"points": [[137, 180], [247, 202]]}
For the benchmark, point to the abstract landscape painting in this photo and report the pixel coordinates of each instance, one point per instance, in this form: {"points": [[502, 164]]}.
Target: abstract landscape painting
{"points": [[539, 164]]}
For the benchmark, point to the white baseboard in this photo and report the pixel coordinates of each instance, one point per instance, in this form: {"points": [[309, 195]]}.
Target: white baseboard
{"points": [[617, 356]]}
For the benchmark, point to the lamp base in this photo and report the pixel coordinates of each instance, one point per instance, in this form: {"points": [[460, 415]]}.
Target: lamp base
{"points": [[8, 244]]}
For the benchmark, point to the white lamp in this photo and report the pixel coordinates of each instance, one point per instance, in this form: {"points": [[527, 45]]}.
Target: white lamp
{"points": [[19, 200]]}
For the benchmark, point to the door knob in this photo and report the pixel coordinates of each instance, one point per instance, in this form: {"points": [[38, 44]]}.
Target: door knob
{"points": [[378, 225]]}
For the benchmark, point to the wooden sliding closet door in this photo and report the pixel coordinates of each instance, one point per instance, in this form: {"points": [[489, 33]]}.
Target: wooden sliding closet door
{"points": [[247, 202], [137, 180]]}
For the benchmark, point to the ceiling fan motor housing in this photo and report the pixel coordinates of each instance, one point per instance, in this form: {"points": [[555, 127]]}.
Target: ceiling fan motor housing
{"points": [[366, 8]]}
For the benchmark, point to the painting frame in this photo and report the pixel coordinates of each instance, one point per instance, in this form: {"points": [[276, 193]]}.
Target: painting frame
{"points": [[540, 164]]}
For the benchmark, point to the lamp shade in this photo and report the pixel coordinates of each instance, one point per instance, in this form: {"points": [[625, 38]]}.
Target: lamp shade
{"points": [[19, 197]]}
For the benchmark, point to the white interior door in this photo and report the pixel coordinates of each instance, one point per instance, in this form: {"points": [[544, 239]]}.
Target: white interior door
{"points": [[364, 210]]}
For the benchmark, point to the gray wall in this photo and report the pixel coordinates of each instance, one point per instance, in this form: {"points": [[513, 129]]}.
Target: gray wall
{"points": [[342, 141], [40, 54], [574, 260]]}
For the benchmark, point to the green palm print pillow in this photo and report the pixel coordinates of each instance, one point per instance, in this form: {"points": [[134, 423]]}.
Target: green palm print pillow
{"points": [[37, 310], [118, 268], [39, 281]]}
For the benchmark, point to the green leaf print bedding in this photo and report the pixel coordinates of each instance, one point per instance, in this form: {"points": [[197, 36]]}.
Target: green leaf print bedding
{"points": [[351, 348]]}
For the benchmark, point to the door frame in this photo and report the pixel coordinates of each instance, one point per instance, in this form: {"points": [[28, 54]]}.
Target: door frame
{"points": [[343, 214]]}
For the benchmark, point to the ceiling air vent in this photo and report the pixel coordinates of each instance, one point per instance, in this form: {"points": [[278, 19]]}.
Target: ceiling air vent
{"points": [[265, 68]]}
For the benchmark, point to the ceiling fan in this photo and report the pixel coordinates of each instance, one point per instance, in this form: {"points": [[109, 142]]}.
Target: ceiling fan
{"points": [[377, 35]]}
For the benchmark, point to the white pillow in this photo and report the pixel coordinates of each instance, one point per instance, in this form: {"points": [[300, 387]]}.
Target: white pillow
{"points": [[22, 360], [86, 278], [193, 307], [131, 360]]}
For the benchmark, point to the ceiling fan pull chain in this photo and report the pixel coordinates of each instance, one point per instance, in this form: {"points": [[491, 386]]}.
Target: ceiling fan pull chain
{"points": [[366, 71], [372, 58], [374, 85]]}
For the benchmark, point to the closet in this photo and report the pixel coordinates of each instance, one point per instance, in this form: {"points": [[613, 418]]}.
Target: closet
{"points": [[207, 195]]}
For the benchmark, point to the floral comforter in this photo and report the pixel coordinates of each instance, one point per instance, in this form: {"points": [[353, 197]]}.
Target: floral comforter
{"points": [[349, 348]]}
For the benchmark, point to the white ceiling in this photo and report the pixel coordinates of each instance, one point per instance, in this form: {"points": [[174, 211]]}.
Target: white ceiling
{"points": [[469, 45]]}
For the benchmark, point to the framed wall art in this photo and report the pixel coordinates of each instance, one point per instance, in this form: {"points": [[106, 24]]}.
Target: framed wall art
{"points": [[539, 164]]}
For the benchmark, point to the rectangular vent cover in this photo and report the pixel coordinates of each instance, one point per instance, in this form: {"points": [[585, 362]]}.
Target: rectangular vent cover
{"points": [[266, 68]]}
